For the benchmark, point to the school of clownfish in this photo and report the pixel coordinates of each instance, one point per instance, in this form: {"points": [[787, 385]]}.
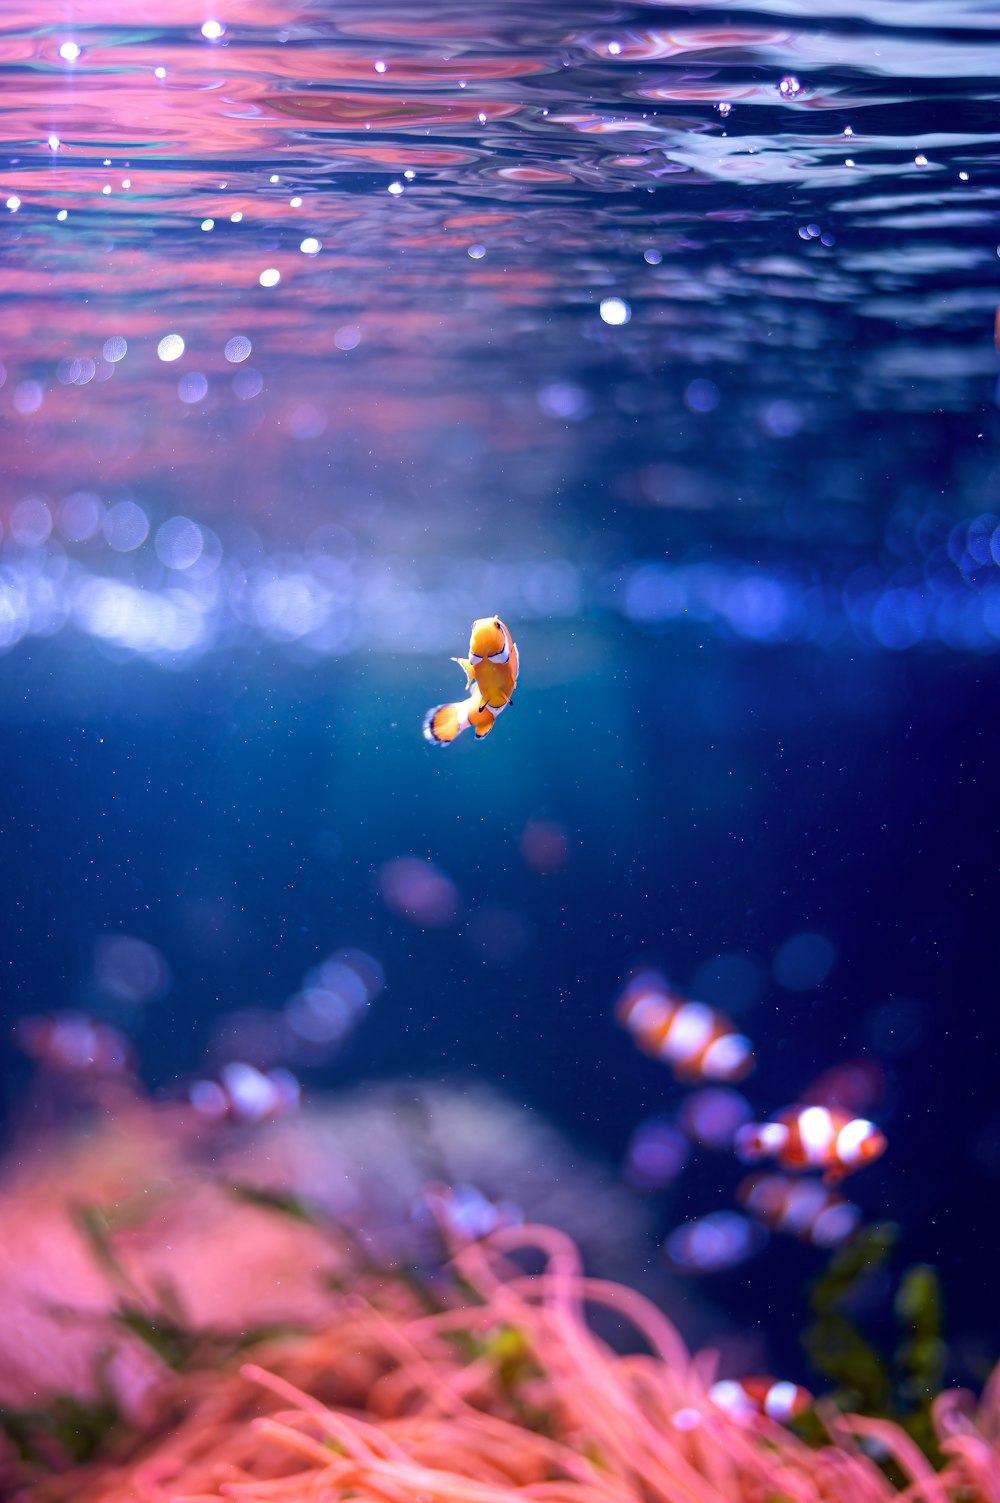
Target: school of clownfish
{"points": [[700, 1044]]}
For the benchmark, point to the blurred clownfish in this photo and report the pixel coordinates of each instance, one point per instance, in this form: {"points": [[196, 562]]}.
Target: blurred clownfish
{"points": [[696, 1041], [70, 1043], [245, 1094], [801, 1207], [746, 1398], [813, 1137], [491, 675]]}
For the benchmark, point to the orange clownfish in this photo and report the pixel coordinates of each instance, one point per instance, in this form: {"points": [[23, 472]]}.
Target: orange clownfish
{"points": [[746, 1398], [813, 1137], [491, 675], [810, 1211], [697, 1042]]}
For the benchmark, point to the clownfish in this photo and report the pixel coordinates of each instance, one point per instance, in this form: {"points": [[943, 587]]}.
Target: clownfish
{"points": [[813, 1137], [245, 1094], [746, 1398], [491, 675], [696, 1041], [801, 1207]]}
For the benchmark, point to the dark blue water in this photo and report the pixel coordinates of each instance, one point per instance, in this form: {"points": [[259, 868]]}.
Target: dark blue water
{"points": [[681, 359]]}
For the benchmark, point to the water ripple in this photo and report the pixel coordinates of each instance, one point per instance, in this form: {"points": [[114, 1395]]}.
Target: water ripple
{"points": [[419, 220]]}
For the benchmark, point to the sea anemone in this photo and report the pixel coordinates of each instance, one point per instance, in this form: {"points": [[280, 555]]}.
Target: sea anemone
{"points": [[501, 1370], [499, 1390]]}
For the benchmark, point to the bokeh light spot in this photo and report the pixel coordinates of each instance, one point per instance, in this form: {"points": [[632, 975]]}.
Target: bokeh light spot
{"points": [[170, 347], [130, 969], [179, 543], [126, 527], [804, 961], [192, 388], [615, 310]]}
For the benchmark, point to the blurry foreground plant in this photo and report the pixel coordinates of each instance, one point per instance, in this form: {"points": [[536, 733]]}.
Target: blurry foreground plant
{"points": [[499, 1390]]}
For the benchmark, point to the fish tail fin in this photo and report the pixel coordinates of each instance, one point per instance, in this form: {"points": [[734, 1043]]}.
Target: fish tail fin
{"points": [[749, 1143], [445, 723], [485, 725], [466, 668]]}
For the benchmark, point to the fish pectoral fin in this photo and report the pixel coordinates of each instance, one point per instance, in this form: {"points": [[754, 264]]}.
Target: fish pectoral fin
{"points": [[466, 667]]}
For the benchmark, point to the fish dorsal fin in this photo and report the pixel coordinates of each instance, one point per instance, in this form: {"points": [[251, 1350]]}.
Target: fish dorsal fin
{"points": [[466, 667]]}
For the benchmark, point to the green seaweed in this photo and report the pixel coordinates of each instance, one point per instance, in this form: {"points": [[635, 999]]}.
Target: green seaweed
{"points": [[900, 1386], [77, 1429], [171, 1342], [279, 1201]]}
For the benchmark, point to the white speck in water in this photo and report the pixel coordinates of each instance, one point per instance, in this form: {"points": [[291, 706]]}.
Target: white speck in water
{"points": [[848, 161], [615, 310], [106, 189], [615, 49], [395, 189], [963, 177], [652, 257], [274, 178], [311, 246], [208, 224], [62, 215], [159, 72], [789, 87], [409, 174], [724, 108], [170, 347], [54, 143], [212, 30], [477, 252], [238, 349], [381, 67], [69, 52], [235, 217], [13, 203], [920, 160], [126, 182], [848, 130], [481, 117], [270, 277], [296, 202]]}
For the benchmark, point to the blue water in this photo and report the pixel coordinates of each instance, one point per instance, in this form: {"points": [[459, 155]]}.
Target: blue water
{"points": [[681, 359]]}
